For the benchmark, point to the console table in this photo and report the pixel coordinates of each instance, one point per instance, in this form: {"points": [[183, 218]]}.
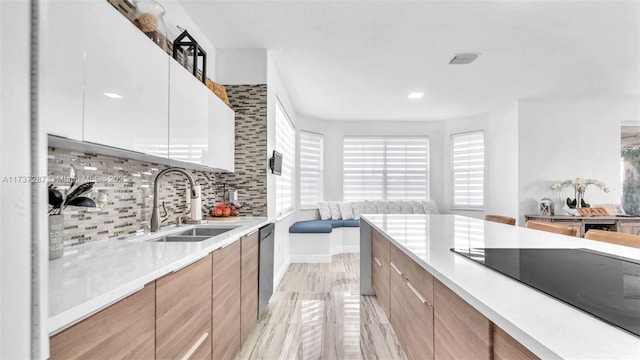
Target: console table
{"points": [[629, 225]]}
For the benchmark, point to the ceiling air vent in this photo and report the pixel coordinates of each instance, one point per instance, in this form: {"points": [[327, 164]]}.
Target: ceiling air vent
{"points": [[464, 58]]}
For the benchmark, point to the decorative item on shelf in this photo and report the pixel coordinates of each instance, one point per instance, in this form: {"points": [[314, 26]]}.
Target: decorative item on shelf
{"points": [[191, 51], [125, 8], [545, 207], [149, 18], [579, 185], [219, 90], [59, 202]]}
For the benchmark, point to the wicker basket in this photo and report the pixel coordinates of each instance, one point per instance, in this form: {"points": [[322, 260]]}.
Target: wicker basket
{"points": [[219, 90]]}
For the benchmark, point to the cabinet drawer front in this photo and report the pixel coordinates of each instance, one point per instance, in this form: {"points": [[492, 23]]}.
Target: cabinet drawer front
{"points": [[453, 317], [505, 347], [226, 302], [419, 277], [380, 284], [249, 284], [419, 325], [183, 310], [379, 247], [123, 330], [398, 307]]}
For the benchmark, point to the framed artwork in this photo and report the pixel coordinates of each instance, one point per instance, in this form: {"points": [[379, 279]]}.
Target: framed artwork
{"points": [[618, 209]]}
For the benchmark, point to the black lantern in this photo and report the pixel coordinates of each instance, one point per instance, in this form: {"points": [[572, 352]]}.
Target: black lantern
{"points": [[186, 44]]}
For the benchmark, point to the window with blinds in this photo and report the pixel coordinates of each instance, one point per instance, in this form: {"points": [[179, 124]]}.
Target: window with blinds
{"points": [[468, 170], [311, 169], [385, 168], [285, 144]]}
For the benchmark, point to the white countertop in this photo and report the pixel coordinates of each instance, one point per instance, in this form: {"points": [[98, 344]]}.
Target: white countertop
{"points": [[92, 276], [548, 327]]}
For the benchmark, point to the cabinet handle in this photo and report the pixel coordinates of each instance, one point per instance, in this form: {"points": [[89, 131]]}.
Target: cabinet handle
{"points": [[377, 261], [417, 294], [195, 346], [396, 269]]}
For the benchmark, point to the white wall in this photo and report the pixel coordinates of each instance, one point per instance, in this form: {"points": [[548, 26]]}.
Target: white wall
{"points": [[277, 91], [562, 139], [501, 161], [241, 66], [15, 198], [457, 126]]}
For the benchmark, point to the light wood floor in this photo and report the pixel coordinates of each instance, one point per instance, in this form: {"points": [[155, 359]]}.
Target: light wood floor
{"points": [[318, 313]]}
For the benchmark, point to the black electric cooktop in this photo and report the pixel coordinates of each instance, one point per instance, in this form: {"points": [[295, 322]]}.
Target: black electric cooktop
{"points": [[603, 285]]}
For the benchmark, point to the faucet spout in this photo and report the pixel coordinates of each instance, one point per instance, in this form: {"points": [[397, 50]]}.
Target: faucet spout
{"points": [[155, 217]]}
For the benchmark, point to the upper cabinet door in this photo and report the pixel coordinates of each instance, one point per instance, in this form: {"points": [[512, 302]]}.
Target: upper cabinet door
{"points": [[62, 78], [188, 121], [126, 84], [221, 135]]}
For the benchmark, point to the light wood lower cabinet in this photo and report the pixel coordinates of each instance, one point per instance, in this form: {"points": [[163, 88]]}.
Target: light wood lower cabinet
{"points": [[506, 348], [183, 312], [461, 332], [411, 305], [429, 320], [380, 268], [225, 301], [123, 330], [248, 284]]}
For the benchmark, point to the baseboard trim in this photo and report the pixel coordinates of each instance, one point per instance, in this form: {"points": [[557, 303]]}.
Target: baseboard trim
{"points": [[280, 274], [345, 249]]}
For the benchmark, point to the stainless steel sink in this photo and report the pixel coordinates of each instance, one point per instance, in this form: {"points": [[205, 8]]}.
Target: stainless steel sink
{"points": [[182, 238], [194, 235], [206, 231]]}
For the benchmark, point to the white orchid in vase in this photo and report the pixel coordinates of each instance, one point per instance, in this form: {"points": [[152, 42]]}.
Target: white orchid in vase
{"points": [[579, 185]]}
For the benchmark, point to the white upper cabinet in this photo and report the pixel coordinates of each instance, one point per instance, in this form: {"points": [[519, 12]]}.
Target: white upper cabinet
{"points": [[222, 140], [63, 70], [188, 120], [126, 84]]}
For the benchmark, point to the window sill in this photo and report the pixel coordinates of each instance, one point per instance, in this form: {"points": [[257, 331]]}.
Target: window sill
{"points": [[459, 208]]}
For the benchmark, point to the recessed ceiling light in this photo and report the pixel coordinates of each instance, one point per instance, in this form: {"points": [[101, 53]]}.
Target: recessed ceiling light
{"points": [[415, 95], [112, 95]]}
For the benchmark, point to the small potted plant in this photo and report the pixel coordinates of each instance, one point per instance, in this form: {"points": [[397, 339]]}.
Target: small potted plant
{"points": [[58, 202]]}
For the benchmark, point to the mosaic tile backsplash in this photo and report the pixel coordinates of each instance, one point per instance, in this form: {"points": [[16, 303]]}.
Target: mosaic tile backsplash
{"points": [[128, 184], [250, 177]]}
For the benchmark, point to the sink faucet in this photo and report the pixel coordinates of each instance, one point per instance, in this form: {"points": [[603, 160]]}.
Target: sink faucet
{"points": [[155, 218]]}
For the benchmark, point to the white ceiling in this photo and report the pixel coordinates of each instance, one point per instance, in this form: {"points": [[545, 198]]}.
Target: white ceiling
{"points": [[358, 60]]}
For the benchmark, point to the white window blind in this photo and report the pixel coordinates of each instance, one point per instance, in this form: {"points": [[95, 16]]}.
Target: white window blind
{"points": [[468, 170], [385, 168], [311, 168], [285, 144]]}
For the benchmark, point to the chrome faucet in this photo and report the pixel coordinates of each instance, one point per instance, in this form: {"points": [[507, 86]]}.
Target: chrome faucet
{"points": [[155, 218]]}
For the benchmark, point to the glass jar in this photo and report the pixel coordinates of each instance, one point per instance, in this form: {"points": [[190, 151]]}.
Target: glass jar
{"points": [[149, 18]]}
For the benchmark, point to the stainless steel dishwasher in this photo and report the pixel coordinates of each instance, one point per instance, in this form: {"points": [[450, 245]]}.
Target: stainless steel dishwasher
{"points": [[265, 272]]}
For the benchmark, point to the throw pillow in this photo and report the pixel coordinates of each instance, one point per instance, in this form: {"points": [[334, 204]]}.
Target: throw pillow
{"points": [[358, 208], [394, 207], [370, 207], [323, 209], [335, 210], [382, 206], [417, 207], [406, 207], [345, 210], [430, 207]]}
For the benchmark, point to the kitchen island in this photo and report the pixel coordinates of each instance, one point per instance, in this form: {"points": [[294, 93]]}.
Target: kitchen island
{"points": [[545, 326]]}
